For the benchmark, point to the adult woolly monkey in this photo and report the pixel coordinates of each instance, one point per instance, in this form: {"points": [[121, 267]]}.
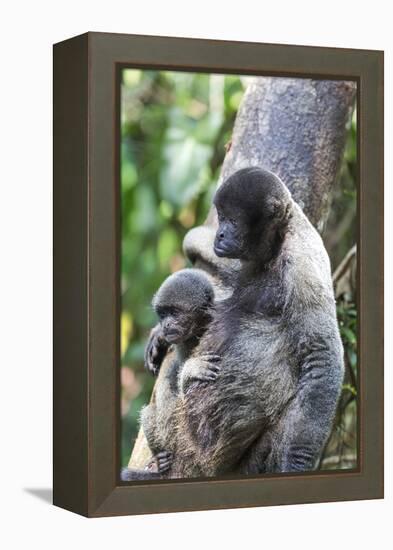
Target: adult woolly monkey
{"points": [[272, 405]]}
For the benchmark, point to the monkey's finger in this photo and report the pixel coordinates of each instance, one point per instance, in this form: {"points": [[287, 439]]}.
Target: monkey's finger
{"points": [[164, 467], [211, 357], [206, 378], [214, 368], [164, 454], [151, 367], [164, 460], [165, 463], [148, 366]]}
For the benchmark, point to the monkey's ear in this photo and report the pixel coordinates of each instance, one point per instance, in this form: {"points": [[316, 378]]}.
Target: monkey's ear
{"points": [[279, 212], [274, 208], [284, 220], [287, 212]]}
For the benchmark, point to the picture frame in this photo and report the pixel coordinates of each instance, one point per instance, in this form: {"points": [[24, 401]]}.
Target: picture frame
{"points": [[86, 387]]}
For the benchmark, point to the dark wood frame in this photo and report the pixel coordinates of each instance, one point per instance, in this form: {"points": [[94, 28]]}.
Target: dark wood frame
{"points": [[86, 273]]}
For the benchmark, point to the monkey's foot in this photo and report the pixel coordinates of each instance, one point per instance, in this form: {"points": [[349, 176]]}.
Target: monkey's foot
{"points": [[163, 460]]}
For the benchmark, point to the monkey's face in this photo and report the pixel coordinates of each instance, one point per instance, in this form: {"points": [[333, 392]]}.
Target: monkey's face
{"points": [[251, 206], [177, 324], [232, 235], [183, 304]]}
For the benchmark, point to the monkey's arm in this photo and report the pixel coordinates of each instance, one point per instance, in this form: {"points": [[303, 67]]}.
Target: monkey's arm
{"points": [[156, 350], [307, 422]]}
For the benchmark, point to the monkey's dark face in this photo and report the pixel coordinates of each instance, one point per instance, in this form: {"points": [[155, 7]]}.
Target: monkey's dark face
{"points": [[232, 235], [183, 303], [177, 324], [252, 206]]}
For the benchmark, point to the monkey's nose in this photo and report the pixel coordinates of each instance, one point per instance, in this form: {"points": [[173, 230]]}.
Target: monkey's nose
{"points": [[221, 235]]}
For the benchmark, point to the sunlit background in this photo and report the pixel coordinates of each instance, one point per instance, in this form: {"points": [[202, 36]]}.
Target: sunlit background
{"points": [[174, 129]]}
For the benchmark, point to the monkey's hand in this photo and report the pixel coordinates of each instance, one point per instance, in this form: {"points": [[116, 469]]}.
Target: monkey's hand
{"points": [[198, 371], [155, 350], [161, 462]]}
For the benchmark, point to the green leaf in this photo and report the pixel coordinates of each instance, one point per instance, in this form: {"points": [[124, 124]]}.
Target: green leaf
{"points": [[142, 218], [168, 245], [348, 334], [184, 165], [349, 388]]}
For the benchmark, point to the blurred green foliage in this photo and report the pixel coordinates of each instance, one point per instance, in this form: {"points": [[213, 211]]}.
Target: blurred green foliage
{"points": [[174, 128], [341, 228]]}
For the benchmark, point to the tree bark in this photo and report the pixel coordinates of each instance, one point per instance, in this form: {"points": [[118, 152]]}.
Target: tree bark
{"points": [[296, 128]]}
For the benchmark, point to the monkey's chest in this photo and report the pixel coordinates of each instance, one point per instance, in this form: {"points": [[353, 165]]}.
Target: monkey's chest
{"points": [[266, 299], [255, 359]]}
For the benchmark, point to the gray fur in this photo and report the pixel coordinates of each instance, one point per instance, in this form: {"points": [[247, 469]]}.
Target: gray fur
{"points": [[273, 403], [271, 407], [184, 301]]}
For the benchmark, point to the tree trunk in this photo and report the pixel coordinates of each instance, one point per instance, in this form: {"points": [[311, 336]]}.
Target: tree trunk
{"points": [[296, 128]]}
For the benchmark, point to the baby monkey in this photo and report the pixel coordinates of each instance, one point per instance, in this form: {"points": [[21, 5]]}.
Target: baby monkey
{"points": [[184, 305]]}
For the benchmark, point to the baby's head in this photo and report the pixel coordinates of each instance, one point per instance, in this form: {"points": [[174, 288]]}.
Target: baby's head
{"points": [[183, 304]]}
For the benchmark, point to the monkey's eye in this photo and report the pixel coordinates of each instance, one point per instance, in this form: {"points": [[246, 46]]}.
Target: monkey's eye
{"points": [[163, 312], [160, 312]]}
